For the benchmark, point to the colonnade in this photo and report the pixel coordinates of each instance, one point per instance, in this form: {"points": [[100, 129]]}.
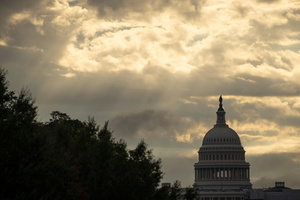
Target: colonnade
{"points": [[222, 173], [213, 156]]}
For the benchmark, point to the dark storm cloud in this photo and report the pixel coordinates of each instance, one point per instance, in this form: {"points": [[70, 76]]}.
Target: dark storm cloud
{"points": [[122, 8], [25, 35], [267, 1], [146, 121], [11, 7], [150, 124], [267, 168]]}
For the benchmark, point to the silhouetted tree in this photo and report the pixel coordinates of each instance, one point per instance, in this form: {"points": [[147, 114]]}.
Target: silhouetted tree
{"points": [[20, 145], [191, 194], [162, 193], [66, 158], [175, 191]]}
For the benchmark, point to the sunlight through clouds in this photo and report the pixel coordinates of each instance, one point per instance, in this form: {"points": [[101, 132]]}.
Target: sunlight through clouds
{"points": [[156, 68]]}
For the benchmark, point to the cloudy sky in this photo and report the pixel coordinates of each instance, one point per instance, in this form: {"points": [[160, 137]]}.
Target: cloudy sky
{"points": [[155, 69]]}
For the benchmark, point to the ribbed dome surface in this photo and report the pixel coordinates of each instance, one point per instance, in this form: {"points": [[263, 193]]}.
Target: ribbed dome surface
{"points": [[221, 135]]}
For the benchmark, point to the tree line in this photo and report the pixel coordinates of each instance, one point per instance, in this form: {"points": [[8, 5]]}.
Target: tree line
{"points": [[66, 158]]}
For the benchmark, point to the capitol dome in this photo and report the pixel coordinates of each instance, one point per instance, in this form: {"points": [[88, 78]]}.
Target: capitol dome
{"points": [[222, 135], [221, 162]]}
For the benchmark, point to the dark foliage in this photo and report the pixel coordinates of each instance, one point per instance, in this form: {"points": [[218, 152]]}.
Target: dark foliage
{"points": [[66, 158], [175, 192], [191, 194]]}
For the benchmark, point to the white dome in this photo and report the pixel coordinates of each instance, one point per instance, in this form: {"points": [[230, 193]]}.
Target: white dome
{"points": [[221, 165], [221, 135]]}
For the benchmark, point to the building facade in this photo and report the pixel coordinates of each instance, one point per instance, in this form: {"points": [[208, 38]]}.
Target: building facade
{"points": [[221, 172]]}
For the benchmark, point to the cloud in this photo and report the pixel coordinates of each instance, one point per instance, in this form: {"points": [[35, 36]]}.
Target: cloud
{"points": [[268, 168], [152, 121], [8, 7], [267, 1], [145, 10], [14, 12], [156, 125], [155, 69]]}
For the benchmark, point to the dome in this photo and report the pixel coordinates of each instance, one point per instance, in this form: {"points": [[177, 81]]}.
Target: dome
{"points": [[221, 135], [221, 169]]}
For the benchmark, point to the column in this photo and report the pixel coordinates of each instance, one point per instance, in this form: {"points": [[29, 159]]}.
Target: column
{"points": [[241, 173], [214, 172], [201, 176], [234, 173], [208, 173], [248, 174], [222, 173], [227, 174], [208, 177]]}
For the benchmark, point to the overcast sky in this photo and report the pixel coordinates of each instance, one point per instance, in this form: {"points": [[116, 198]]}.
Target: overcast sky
{"points": [[155, 70]]}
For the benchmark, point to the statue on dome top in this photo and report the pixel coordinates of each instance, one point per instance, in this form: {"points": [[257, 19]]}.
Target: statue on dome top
{"points": [[220, 105]]}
